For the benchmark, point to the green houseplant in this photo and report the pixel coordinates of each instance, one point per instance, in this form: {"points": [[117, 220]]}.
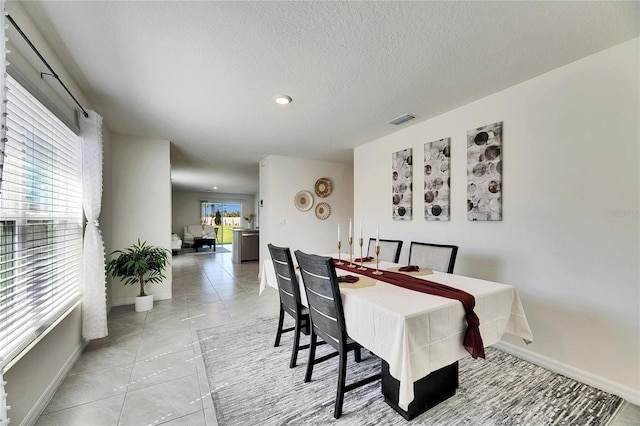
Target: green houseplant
{"points": [[140, 264]]}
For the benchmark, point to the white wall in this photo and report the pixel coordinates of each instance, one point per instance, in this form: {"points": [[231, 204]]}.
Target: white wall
{"points": [[186, 207], [282, 224], [140, 204], [569, 239], [26, 67]]}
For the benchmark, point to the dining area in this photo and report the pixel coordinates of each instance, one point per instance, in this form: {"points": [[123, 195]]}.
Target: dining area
{"points": [[572, 264], [418, 318]]}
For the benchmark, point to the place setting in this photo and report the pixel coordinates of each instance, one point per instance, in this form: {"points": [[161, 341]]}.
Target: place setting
{"points": [[354, 281], [414, 270]]}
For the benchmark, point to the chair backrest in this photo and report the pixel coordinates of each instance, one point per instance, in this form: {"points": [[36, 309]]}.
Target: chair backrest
{"points": [[288, 286], [389, 249], [323, 297], [438, 257]]}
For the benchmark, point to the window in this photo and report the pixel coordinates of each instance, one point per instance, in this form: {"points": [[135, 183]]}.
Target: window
{"points": [[40, 223], [225, 215], [7, 251]]}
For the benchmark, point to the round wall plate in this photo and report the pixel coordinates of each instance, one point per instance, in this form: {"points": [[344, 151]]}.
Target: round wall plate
{"points": [[323, 187], [323, 210], [303, 200]]}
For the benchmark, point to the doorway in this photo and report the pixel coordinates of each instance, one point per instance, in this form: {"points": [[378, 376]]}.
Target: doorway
{"points": [[223, 215]]}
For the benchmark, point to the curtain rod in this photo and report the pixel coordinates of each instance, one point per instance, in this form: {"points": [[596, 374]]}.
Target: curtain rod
{"points": [[53, 73]]}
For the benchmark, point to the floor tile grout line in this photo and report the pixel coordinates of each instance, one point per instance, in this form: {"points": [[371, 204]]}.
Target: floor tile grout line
{"points": [[126, 391], [203, 382], [211, 268]]}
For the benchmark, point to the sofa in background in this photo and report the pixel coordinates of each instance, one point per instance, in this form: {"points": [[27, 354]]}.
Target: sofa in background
{"points": [[192, 231], [176, 244]]}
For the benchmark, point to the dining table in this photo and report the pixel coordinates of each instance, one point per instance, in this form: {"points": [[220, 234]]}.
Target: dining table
{"points": [[417, 335]]}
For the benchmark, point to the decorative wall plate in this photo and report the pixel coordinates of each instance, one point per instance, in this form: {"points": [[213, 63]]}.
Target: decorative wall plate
{"points": [[323, 187], [323, 210], [303, 200]]}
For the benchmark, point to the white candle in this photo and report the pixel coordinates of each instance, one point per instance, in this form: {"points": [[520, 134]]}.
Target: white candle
{"points": [[361, 229], [338, 232], [350, 230], [377, 235]]}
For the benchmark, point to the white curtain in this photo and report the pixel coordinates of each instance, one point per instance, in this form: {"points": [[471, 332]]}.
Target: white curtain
{"points": [[94, 307]]}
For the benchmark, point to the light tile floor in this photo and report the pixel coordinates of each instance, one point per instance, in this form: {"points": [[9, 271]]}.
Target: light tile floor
{"points": [[148, 371]]}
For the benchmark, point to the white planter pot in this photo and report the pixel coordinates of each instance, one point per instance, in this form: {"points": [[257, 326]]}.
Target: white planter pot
{"points": [[144, 303]]}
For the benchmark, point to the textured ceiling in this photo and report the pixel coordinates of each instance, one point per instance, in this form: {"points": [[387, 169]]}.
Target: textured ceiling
{"points": [[204, 74]]}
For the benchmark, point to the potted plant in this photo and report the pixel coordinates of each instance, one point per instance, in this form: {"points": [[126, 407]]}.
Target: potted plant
{"points": [[140, 264]]}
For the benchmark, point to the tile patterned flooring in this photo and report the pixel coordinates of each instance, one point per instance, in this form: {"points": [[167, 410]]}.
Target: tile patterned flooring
{"points": [[148, 371]]}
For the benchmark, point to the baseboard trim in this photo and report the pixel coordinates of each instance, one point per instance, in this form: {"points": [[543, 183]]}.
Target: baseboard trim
{"points": [[601, 383], [32, 416]]}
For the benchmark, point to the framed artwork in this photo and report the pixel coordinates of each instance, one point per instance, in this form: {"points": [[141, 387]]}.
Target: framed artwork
{"points": [[437, 156], [484, 173], [402, 184]]}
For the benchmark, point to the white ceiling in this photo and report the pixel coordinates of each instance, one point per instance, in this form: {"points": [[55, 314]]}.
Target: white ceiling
{"points": [[204, 74]]}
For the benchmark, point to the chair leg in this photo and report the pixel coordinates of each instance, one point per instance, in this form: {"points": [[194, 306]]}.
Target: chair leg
{"points": [[357, 354], [280, 322], [296, 344], [342, 372], [312, 356]]}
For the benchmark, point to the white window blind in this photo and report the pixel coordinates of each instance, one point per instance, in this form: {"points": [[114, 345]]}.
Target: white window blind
{"points": [[40, 222]]}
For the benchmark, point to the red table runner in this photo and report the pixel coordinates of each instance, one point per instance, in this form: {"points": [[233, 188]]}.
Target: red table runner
{"points": [[472, 340]]}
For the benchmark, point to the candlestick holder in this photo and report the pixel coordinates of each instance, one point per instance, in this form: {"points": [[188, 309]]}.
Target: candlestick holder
{"points": [[361, 268], [339, 262], [377, 271], [351, 265]]}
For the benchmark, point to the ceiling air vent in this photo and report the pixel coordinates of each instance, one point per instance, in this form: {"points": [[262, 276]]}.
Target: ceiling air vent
{"points": [[402, 119]]}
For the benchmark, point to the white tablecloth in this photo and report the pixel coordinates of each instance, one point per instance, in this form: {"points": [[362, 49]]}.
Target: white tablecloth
{"points": [[417, 333]]}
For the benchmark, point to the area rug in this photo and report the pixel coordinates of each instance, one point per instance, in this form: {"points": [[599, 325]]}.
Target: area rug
{"points": [[252, 384], [210, 251]]}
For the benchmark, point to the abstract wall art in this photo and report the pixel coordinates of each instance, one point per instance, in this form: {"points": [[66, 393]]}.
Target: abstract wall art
{"points": [[437, 179], [402, 184], [484, 173]]}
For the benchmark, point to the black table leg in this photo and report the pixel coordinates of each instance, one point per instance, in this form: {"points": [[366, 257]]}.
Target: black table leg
{"points": [[428, 391]]}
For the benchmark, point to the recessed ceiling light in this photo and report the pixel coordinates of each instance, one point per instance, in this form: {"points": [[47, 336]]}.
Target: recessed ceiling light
{"points": [[283, 99], [215, 187]]}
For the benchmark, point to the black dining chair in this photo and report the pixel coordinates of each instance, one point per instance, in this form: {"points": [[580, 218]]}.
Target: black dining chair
{"points": [[437, 257], [389, 249], [327, 321], [290, 301]]}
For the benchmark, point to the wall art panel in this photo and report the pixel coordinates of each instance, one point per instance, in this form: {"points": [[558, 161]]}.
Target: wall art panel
{"points": [[484, 173], [402, 177], [437, 179]]}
